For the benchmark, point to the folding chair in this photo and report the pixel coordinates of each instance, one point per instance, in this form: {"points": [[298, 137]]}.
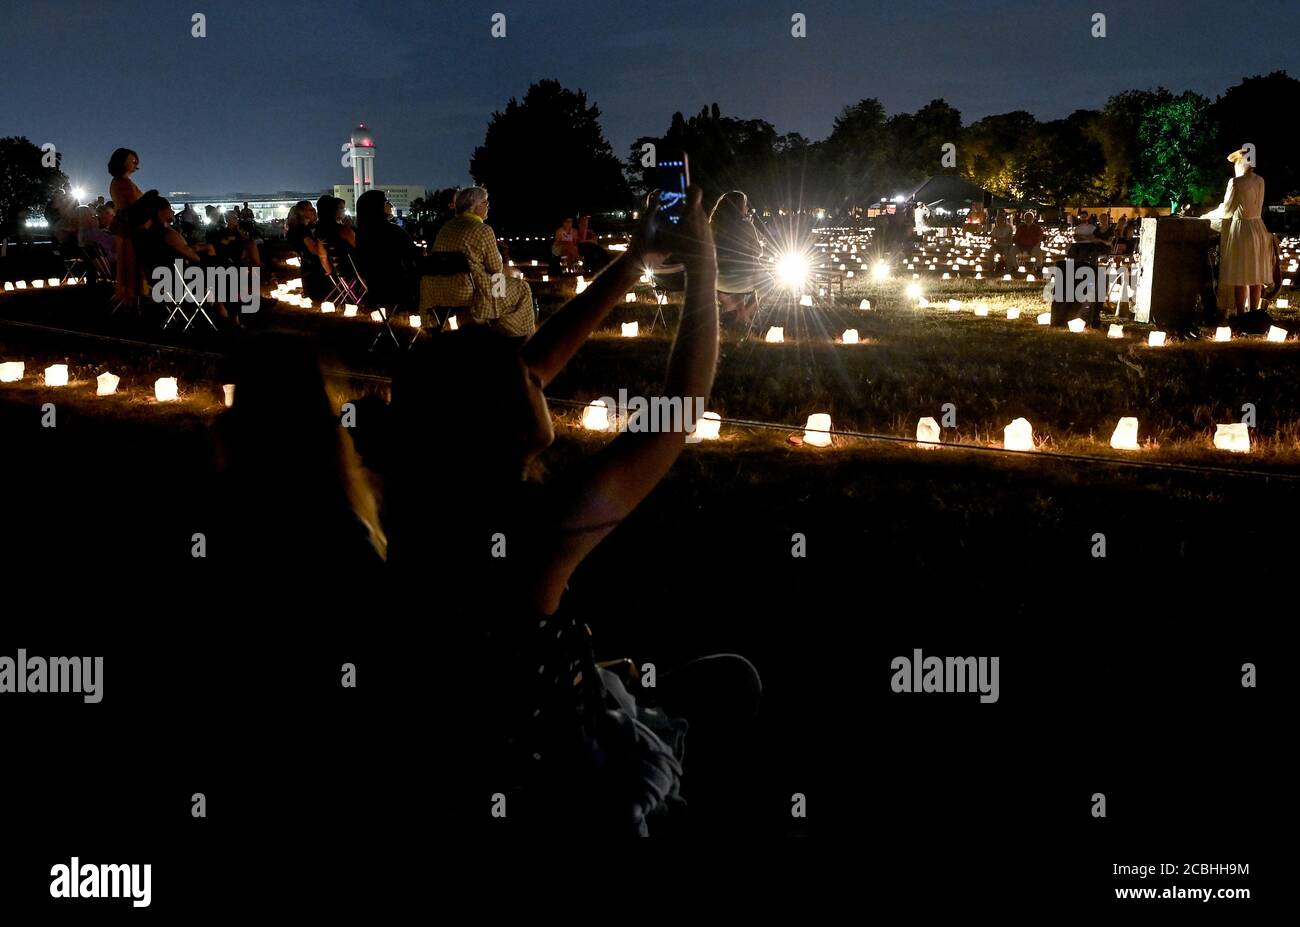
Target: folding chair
{"points": [[661, 290], [344, 278], [76, 261], [178, 303]]}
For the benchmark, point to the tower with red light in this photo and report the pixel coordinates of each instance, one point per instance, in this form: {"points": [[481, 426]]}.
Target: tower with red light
{"points": [[363, 161]]}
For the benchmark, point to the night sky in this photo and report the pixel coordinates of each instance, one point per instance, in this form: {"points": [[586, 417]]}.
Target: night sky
{"points": [[264, 102]]}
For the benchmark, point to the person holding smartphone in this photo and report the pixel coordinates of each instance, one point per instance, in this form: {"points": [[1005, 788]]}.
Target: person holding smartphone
{"points": [[533, 720]]}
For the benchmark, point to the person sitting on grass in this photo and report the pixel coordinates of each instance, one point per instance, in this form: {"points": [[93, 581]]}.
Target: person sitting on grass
{"points": [[502, 303], [534, 718]]}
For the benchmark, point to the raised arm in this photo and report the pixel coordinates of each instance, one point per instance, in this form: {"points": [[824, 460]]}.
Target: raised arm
{"points": [[560, 336], [602, 492]]}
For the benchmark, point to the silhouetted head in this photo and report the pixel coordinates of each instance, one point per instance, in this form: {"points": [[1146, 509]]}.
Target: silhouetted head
{"points": [[468, 396], [729, 209], [123, 161], [370, 210]]}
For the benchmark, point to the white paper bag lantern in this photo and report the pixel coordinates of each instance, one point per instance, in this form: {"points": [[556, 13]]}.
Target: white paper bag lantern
{"points": [[327, 306], [305, 303], [865, 305], [1044, 318], [1223, 333], [1021, 269], [596, 416], [954, 305], [9, 287], [1006, 277], [927, 432], [1276, 334], [706, 429], [1075, 325], [580, 286], [631, 329], [1156, 339], [1115, 331], [1018, 436], [982, 309], [1284, 303], [377, 316], [106, 384], [805, 300], [228, 391], [1234, 437], [56, 375], [775, 335], [165, 390], [546, 278], [850, 336], [452, 324], [1125, 436], [414, 321], [349, 310], [629, 298], [817, 431], [947, 276], [295, 283], [53, 281], [22, 284], [1013, 313], [11, 371], [1029, 278]]}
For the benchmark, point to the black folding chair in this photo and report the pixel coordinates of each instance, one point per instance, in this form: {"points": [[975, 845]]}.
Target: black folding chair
{"points": [[188, 297], [344, 279]]}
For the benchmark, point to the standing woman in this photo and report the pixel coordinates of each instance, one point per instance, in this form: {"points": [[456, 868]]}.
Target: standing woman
{"points": [[125, 193], [1245, 245]]}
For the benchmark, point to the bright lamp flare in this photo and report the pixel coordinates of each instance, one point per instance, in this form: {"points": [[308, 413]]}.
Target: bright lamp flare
{"points": [[913, 291], [880, 271], [793, 270]]}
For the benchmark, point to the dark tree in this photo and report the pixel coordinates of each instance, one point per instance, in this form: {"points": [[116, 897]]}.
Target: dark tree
{"points": [[1260, 111], [545, 158], [27, 187]]}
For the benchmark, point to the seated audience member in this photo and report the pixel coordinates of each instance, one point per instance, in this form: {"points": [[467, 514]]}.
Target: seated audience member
{"points": [[740, 253], [594, 257], [234, 245], [565, 246], [291, 490], [159, 245], [1003, 243], [96, 231], [563, 741], [508, 309], [1028, 237], [188, 222], [386, 256], [332, 225], [157, 242], [301, 235]]}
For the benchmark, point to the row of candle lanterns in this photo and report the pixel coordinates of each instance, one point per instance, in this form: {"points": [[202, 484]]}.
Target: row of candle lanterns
{"points": [[165, 389], [52, 282], [1017, 436]]}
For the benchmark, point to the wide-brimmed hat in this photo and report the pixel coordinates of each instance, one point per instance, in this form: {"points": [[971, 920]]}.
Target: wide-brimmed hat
{"points": [[1241, 154]]}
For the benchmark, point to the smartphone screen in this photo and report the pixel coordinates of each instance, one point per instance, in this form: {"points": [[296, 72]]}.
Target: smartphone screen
{"points": [[670, 177]]}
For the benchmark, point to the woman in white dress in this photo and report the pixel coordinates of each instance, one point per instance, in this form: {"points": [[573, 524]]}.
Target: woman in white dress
{"points": [[1245, 245]]}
